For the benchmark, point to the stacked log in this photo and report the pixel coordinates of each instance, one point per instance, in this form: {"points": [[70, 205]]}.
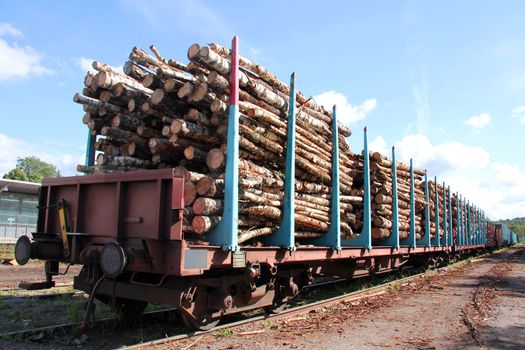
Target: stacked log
{"points": [[462, 210], [162, 113], [381, 191], [442, 193], [455, 201]]}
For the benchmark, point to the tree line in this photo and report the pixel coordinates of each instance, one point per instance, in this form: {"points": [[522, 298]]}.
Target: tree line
{"points": [[32, 169]]}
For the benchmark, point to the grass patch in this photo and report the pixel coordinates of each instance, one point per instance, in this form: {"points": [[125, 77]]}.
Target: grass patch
{"points": [[18, 292], [222, 333], [269, 324]]}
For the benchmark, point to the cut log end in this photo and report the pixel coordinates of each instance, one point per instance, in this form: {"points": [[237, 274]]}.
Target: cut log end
{"points": [[193, 51], [157, 97], [215, 159]]}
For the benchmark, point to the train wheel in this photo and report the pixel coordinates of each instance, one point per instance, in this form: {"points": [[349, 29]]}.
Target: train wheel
{"points": [[202, 323]]}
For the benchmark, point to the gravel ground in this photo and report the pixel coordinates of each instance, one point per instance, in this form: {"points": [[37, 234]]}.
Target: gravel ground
{"points": [[478, 305], [12, 275]]}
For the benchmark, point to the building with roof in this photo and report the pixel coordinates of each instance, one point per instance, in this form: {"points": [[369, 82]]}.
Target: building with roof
{"points": [[18, 208]]}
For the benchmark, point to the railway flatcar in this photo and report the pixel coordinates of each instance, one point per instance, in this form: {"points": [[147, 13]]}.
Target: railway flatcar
{"points": [[128, 229]]}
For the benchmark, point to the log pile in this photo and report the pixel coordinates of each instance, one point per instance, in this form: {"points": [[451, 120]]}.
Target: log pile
{"points": [[442, 192], [163, 113], [455, 210], [381, 190], [160, 112]]}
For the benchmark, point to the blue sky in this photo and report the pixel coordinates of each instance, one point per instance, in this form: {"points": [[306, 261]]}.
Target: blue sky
{"points": [[443, 81]]}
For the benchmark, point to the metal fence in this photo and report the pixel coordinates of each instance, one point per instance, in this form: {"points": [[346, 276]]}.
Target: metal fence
{"points": [[16, 230], [18, 214]]}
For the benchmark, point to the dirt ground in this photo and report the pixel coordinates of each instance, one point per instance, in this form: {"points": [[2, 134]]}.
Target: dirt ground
{"points": [[478, 305], [12, 275]]}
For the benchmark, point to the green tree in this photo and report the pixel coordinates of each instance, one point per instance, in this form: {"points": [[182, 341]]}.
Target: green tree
{"points": [[32, 169]]}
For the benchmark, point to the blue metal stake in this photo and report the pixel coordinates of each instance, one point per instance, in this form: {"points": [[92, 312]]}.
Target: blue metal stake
{"points": [[393, 239], [411, 239], [461, 215], [481, 224], [436, 240], [458, 226], [484, 228], [469, 227], [364, 239], [285, 235], [473, 224], [463, 221], [450, 213], [333, 237], [225, 233], [462, 205], [478, 213], [90, 150], [480, 227], [482, 221], [425, 240], [445, 239]]}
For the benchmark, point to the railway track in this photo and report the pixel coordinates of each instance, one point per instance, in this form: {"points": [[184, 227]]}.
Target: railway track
{"points": [[348, 297], [65, 327], [68, 328]]}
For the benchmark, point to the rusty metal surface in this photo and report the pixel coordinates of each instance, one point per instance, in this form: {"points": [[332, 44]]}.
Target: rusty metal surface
{"points": [[127, 205], [494, 235], [143, 211], [217, 257]]}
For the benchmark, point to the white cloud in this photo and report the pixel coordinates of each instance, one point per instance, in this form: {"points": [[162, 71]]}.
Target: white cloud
{"points": [[443, 157], [519, 112], [85, 64], [65, 158], [346, 112], [478, 122], [494, 187], [18, 61], [379, 145], [9, 29]]}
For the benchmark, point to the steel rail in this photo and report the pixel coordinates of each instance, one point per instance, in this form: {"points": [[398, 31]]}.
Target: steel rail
{"points": [[289, 312], [285, 313], [72, 325]]}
